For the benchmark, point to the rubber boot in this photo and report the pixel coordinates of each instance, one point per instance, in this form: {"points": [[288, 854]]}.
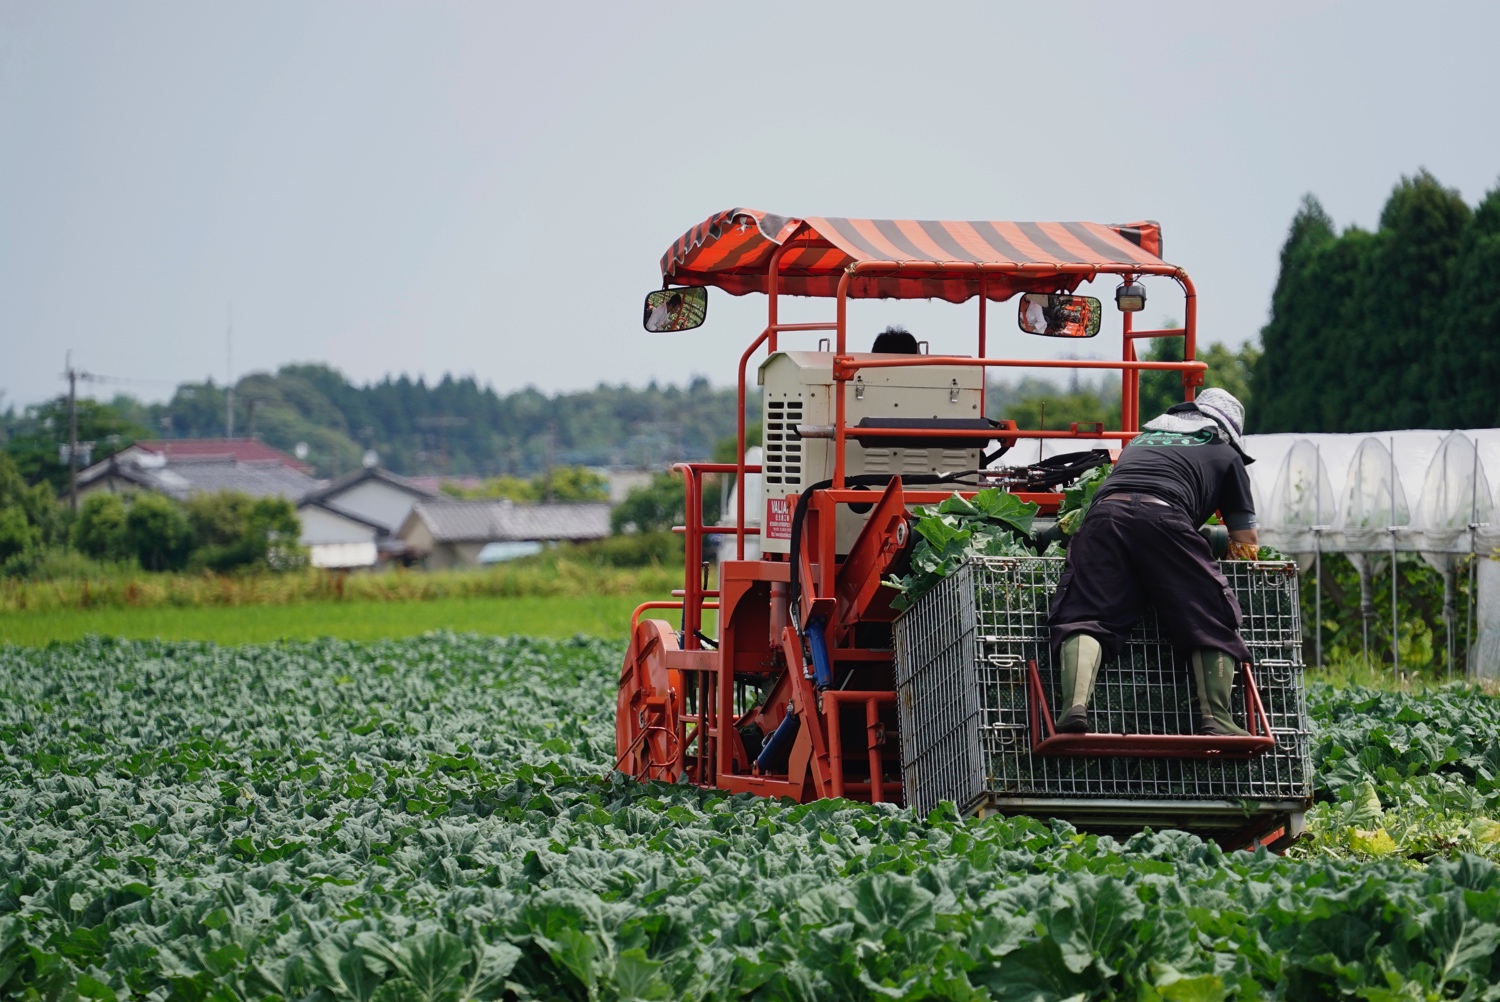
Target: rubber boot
{"points": [[1081, 655], [1214, 672]]}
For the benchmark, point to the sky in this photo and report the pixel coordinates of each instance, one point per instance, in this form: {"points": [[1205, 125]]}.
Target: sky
{"points": [[486, 189]]}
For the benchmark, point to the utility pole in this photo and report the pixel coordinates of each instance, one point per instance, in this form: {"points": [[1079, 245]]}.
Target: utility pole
{"points": [[229, 376], [72, 435]]}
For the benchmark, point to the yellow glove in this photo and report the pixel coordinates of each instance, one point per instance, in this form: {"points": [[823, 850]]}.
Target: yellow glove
{"points": [[1243, 551]]}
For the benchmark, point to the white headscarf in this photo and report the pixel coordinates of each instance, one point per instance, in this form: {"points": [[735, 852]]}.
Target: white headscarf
{"points": [[1214, 408]]}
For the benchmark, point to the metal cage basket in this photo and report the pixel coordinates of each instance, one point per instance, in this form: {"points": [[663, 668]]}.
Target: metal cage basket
{"points": [[962, 652]]}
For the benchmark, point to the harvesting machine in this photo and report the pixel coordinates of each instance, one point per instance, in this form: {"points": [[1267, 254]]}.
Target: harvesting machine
{"points": [[811, 684]]}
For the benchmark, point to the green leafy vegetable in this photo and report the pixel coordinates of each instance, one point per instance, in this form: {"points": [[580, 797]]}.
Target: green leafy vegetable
{"points": [[435, 819], [993, 523], [1077, 497]]}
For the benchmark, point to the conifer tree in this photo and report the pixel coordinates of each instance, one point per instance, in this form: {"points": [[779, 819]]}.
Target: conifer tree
{"points": [[1463, 389], [1290, 364]]}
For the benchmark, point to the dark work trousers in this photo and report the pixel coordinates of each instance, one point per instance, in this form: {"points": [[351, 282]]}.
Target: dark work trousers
{"points": [[1129, 553]]}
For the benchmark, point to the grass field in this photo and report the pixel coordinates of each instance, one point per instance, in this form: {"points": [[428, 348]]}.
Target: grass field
{"points": [[597, 615]]}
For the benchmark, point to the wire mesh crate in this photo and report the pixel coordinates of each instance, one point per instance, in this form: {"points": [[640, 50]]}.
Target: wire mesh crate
{"points": [[961, 673]]}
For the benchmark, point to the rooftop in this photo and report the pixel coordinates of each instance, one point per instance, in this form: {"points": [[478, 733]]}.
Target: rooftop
{"points": [[470, 521], [203, 475], [243, 450]]}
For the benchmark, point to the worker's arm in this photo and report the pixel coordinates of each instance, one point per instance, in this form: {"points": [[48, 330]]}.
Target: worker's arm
{"points": [[1244, 543]]}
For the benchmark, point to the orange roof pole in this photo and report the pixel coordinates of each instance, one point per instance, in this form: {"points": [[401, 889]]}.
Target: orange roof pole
{"points": [[840, 338], [773, 306], [1130, 379], [983, 334], [1190, 378], [739, 461]]}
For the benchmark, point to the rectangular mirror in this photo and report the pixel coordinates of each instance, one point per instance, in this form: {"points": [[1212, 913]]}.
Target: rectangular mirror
{"points": [[1058, 315], [669, 310]]}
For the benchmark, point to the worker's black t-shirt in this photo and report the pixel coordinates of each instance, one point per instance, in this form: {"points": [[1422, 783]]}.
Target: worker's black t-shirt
{"points": [[1197, 472]]}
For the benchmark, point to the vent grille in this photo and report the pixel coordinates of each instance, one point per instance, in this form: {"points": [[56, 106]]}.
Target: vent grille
{"points": [[783, 446]]}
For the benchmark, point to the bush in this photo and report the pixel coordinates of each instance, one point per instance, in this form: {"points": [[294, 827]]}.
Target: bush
{"points": [[99, 531], [232, 530], [568, 483], [29, 516], [655, 507], [56, 564], [644, 549], [17, 535], [158, 533]]}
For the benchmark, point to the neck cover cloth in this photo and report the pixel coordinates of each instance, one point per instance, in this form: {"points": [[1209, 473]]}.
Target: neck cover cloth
{"points": [[1214, 408]]}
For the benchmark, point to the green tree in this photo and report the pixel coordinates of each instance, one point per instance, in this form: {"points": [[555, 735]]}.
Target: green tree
{"points": [[232, 531], [17, 536], [99, 530], [34, 441], [1228, 368], [34, 517], [1355, 341], [567, 483], [655, 507], [1302, 304], [1467, 349], [1059, 409], [1402, 296], [158, 533]]}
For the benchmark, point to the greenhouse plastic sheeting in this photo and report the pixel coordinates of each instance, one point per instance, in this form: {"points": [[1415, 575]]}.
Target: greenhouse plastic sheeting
{"points": [[1352, 496], [1440, 481]]}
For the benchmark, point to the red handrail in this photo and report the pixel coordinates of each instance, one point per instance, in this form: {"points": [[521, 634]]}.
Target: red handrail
{"points": [[1046, 741]]}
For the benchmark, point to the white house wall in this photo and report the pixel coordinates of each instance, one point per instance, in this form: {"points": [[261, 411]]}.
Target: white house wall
{"points": [[377, 501], [343, 555], [320, 526]]}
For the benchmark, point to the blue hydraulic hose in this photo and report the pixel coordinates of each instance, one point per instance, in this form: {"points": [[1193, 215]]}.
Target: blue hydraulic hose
{"points": [[779, 743], [822, 670]]}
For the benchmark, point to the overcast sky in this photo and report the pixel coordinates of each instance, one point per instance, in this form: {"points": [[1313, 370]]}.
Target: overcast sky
{"points": [[487, 188]]}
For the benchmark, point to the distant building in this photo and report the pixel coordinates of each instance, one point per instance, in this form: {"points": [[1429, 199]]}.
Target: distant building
{"points": [[180, 468], [352, 522], [622, 482], [338, 539], [241, 450], [450, 532]]}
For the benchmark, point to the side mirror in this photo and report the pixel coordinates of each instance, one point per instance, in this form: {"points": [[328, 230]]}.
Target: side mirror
{"points": [[669, 310], [1057, 315]]}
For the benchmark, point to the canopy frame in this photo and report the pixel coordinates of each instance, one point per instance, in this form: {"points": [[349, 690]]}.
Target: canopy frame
{"points": [[995, 280]]}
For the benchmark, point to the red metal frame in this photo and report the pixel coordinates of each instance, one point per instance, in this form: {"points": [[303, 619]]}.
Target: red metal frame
{"points": [[761, 640], [1046, 741]]}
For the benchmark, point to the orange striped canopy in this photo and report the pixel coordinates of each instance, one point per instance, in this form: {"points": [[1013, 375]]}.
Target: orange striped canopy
{"points": [[732, 251]]}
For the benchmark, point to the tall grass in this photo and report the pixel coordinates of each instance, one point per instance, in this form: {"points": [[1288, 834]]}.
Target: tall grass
{"points": [[605, 616], [556, 577]]}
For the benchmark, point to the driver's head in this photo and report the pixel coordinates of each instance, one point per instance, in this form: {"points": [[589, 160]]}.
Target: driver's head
{"points": [[895, 340]]}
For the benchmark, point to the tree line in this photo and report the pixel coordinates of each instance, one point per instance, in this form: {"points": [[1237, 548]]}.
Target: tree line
{"points": [[221, 531], [1393, 328], [454, 426]]}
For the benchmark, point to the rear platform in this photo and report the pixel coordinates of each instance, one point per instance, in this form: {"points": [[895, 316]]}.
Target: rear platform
{"points": [[970, 731]]}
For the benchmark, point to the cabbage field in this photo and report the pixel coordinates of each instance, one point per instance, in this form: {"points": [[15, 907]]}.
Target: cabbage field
{"points": [[435, 819]]}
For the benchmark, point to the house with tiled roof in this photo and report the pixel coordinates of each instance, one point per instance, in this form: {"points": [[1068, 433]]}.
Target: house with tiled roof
{"points": [[453, 532], [239, 450], [180, 468], [352, 521]]}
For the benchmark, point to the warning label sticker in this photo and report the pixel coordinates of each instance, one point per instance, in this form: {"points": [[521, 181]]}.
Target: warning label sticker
{"points": [[778, 518]]}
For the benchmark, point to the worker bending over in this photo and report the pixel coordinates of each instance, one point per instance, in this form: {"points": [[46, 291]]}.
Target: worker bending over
{"points": [[1139, 543]]}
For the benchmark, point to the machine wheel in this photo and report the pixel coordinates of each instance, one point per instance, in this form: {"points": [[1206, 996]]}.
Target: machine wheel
{"points": [[647, 711]]}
